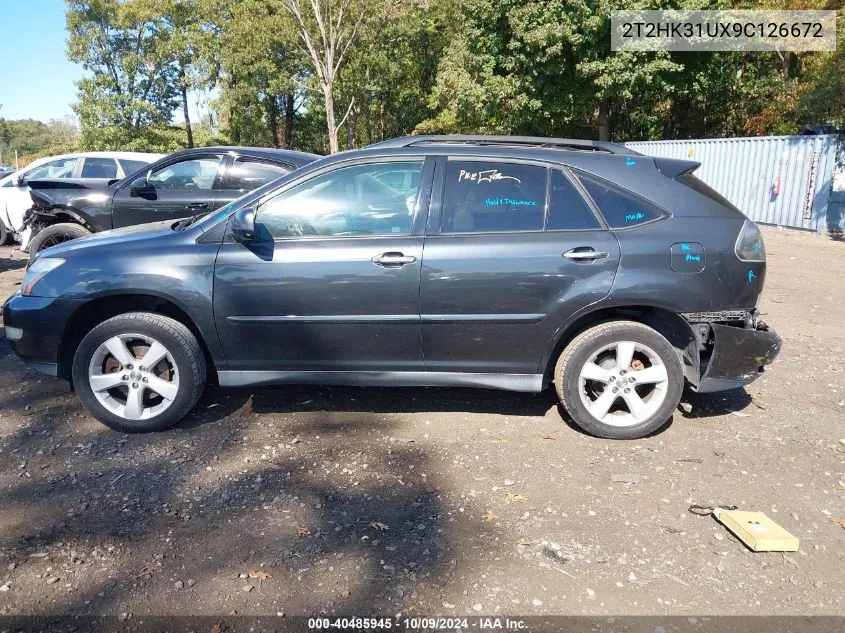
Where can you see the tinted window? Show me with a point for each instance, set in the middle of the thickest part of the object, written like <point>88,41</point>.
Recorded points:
<point>247,174</point>
<point>620,209</point>
<point>349,201</point>
<point>195,173</point>
<point>99,168</point>
<point>484,197</point>
<point>62,168</point>
<point>131,166</point>
<point>567,208</point>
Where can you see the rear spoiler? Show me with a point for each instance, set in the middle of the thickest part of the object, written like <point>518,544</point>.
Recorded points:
<point>674,167</point>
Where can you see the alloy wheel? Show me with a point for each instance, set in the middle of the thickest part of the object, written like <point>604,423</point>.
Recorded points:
<point>134,376</point>
<point>623,384</point>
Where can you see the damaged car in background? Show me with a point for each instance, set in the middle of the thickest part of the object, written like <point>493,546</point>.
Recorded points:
<point>75,171</point>
<point>188,183</point>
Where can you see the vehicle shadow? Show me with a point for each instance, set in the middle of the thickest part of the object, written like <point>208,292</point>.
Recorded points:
<point>709,405</point>
<point>7,264</point>
<point>217,403</point>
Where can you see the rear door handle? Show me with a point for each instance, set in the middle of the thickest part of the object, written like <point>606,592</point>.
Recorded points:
<point>393,259</point>
<point>197,206</point>
<point>584,254</point>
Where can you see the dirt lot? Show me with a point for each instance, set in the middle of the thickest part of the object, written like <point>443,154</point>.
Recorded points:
<point>309,500</point>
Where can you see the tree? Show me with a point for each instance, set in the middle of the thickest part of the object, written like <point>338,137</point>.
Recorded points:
<point>327,29</point>
<point>133,83</point>
<point>184,38</point>
<point>257,64</point>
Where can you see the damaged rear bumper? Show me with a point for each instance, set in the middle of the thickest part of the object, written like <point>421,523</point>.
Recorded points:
<point>739,356</point>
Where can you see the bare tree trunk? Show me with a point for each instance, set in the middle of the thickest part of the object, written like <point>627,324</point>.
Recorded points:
<point>185,112</point>
<point>289,114</point>
<point>350,130</point>
<point>604,121</point>
<point>326,41</point>
<point>273,119</point>
<point>328,93</point>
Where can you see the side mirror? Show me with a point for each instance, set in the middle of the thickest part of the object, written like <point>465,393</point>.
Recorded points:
<point>138,187</point>
<point>18,180</point>
<point>243,225</point>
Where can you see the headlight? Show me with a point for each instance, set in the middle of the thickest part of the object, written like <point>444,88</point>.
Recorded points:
<point>749,244</point>
<point>36,272</point>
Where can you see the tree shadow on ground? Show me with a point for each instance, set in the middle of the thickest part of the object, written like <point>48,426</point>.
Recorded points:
<point>351,522</point>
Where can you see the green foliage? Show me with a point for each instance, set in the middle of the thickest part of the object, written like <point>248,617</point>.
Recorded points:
<point>33,139</point>
<point>423,66</point>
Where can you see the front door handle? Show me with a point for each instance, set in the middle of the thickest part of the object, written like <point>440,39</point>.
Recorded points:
<point>584,254</point>
<point>393,259</point>
<point>197,206</point>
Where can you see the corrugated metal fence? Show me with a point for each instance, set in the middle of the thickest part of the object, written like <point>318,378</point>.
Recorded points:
<point>782,180</point>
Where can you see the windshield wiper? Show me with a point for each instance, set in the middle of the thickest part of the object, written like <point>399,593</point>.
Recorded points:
<point>183,224</point>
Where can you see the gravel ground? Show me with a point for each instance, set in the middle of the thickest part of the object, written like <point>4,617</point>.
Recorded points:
<point>304,500</point>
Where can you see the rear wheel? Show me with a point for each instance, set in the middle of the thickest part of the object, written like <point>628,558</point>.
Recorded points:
<point>139,372</point>
<point>56,234</point>
<point>619,380</point>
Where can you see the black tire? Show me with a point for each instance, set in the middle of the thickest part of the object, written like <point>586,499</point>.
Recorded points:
<point>590,342</point>
<point>55,234</point>
<point>5,235</point>
<point>179,342</point>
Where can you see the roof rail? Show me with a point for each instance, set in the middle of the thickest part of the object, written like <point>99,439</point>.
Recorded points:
<point>539,142</point>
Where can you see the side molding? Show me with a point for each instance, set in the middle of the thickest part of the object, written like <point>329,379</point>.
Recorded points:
<point>532,383</point>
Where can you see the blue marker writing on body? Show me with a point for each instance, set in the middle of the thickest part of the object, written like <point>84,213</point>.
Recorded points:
<point>630,161</point>
<point>751,276</point>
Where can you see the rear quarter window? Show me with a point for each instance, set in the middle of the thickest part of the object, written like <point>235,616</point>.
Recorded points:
<point>621,209</point>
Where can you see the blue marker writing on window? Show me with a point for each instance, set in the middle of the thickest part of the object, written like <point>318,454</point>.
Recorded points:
<point>693,258</point>
<point>509,202</point>
<point>757,247</point>
<point>633,217</point>
<point>686,247</point>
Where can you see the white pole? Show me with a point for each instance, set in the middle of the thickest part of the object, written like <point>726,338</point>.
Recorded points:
<point>16,160</point>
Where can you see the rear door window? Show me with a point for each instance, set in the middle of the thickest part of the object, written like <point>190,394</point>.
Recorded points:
<point>247,174</point>
<point>567,208</point>
<point>131,166</point>
<point>486,197</point>
<point>99,168</point>
<point>621,209</point>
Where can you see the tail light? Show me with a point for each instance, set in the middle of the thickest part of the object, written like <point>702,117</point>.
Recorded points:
<point>749,244</point>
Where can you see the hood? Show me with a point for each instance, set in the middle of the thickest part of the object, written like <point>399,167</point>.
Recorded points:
<point>111,238</point>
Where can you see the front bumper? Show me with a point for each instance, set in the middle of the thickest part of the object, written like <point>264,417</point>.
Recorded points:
<point>34,329</point>
<point>739,356</point>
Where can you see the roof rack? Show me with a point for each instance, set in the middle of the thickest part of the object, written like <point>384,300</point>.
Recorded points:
<point>539,142</point>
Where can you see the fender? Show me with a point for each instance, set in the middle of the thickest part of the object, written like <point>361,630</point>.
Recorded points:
<point>663,319</point>
<point>87,202</point>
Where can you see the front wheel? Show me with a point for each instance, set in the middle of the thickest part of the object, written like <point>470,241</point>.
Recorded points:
<point>619,380</point>
<point>55,234</point>
<point>139,372</point>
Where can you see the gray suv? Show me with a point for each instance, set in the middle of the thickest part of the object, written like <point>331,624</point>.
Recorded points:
<point>498,262</point>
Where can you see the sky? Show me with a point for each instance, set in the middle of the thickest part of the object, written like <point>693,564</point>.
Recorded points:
<point>36,78</point>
